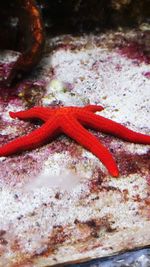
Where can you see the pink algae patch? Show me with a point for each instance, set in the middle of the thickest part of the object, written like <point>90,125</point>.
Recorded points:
<point>148,179</point>
<point>135,51</point>
<point>133,163</point>
<point>147,74</point>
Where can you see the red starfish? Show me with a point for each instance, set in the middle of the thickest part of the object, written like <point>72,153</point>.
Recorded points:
<point>69,120</point>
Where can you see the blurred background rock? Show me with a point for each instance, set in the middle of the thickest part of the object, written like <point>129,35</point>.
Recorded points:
<point>78,16</point>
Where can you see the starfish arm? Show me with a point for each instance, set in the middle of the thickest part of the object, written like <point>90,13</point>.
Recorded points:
<point>108,126</point>
<point>42,113</point>
<point>32,140</point>
<point>72,128</point>
<point>93,108</point>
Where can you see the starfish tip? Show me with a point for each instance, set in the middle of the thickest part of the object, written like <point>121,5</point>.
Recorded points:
<point>115,173</point>
<point>12,114</point>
